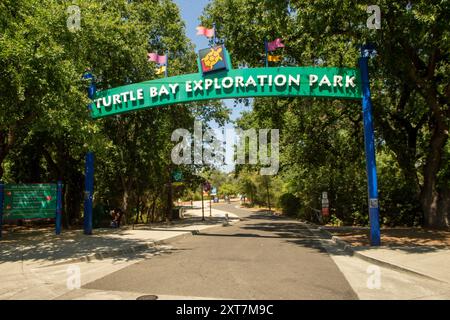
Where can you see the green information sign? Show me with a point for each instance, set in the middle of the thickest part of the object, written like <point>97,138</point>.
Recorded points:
<point>237,83</point>
<point>29,201</point>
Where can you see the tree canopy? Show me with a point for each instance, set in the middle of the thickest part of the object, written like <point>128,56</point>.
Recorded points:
<point>322,141</point>
<point>46,130</point>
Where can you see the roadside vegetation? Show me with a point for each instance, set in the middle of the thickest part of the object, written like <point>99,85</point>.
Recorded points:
<point>321,141</point>
<point>46,130</point>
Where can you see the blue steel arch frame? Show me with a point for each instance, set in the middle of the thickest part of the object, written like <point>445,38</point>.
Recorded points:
<point>369,142</point>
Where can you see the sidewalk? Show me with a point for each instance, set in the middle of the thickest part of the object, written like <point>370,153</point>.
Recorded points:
<point>35,264</point>
<point>73,246</point>
<point>196,211</point>
<point>424,253</point>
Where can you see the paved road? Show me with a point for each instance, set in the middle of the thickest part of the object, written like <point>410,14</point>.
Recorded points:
<point>261,257</point>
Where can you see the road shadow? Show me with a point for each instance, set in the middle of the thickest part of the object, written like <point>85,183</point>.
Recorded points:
<point>44,246</point>
<point>409,240</point>
<point>262,225</point>
<point>41,244</point>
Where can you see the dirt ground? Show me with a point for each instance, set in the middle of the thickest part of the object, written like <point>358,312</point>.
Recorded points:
<point>394,236</point>
<point>275,211</point>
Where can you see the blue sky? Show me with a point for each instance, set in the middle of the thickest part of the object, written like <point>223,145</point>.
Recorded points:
<point>191,10</point>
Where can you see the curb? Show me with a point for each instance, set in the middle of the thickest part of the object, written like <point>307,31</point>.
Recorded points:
<point>350,250</point>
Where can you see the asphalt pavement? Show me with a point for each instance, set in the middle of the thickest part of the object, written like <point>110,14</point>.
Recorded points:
<point>260,257</point>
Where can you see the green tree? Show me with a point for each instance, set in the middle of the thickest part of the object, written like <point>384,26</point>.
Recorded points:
<point>46,129</point>
<point>410,85</point>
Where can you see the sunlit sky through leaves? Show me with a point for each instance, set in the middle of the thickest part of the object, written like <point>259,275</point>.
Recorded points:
<point>191,10</point>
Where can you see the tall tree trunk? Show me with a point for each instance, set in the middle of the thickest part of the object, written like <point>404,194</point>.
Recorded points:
<point>64,169</point>
<point>444,205</point>
<point>152,209</point>
<point>169,211</point>
<point>65,215</point>
<point>148,215</point>
<point>5,145</point>
<point>1,169</point>
<point>138,209</point>
<point>268,194</point>
<point>430,199</point>
<point>74,197</point>
<point>126,185</point>
<point>125,198</point>
<point>66,165</point>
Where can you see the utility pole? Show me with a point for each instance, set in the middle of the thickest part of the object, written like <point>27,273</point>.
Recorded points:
<point>203,206</point>
<point>210,210</point>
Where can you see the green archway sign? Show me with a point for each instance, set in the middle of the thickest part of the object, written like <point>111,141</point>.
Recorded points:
<point>238,83</point>
<point>217,79</point>
<point>229,83</point>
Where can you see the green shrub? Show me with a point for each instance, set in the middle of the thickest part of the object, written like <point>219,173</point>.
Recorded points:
<point>335,221</point>
<point>360,218</point>
<point>289,204</point>
<point>248,205</point>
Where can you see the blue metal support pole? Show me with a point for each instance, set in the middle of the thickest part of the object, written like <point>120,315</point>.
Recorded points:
<point>89,169</point>
<point>2,192</point>
<point>58,208</point>
<point>369,141</point>
<point>88,193</point>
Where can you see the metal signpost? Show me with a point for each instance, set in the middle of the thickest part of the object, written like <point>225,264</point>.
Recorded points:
<point>206,188</point>
<point>212,194</point>
<point>203,206</point>
<point>325,205</point>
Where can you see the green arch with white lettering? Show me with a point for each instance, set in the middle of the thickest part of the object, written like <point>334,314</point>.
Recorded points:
<point>342,83</point>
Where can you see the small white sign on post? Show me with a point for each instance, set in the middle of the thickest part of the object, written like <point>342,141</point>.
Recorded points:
<point>325,204</point>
